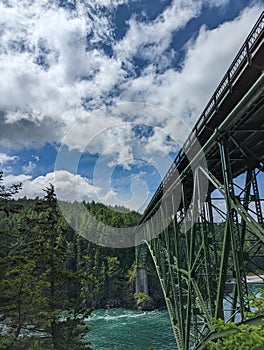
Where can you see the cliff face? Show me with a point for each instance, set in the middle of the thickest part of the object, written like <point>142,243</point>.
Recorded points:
<point>139,301</point>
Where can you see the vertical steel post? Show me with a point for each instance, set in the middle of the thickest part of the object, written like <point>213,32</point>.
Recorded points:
<point>232,220</point>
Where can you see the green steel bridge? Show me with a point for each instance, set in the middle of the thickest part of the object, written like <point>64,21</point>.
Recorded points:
<point>204,226</point>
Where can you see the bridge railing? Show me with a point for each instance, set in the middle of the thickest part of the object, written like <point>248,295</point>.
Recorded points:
<point>242,59</point>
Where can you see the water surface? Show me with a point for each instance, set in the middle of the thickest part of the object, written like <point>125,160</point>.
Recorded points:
<point>119,329</point>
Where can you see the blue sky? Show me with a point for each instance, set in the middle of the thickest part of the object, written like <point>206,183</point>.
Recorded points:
<point>100,94</point>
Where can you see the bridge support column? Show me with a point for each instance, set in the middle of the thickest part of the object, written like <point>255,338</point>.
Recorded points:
<point>141,280</point>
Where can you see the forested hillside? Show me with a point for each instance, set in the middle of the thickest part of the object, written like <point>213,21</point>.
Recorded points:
<point>47,268</point>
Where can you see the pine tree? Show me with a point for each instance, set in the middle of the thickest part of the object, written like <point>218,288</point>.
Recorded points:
<point>39,301</point>
<point>21,284</point>
<point>64,320</point>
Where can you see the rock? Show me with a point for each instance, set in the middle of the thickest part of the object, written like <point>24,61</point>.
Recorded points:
<point>144,302</point>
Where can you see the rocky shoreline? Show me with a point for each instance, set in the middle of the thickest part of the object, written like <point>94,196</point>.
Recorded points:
<point>144,304</point>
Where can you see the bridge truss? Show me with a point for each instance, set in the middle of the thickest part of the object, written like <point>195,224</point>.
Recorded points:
<point>204,226</point>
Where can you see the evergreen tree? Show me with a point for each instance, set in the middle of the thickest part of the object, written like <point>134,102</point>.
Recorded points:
<point>37,305</point>
<point>49,272</point>
<point>66,330</point>
<point>21,284</point>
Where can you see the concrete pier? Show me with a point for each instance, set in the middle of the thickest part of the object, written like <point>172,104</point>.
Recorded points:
<point>141,280</point>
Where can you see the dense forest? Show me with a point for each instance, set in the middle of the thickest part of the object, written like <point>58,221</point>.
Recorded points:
<point>52,277</point>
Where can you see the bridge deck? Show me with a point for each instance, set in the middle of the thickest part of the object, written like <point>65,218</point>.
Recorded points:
<point>247,129</point>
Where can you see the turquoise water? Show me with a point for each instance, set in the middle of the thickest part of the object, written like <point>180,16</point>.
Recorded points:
<point>120,329</point>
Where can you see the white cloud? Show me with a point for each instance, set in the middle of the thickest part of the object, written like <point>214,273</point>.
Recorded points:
<point>67,185</point>
<point>71,187</point>
<point>159,143</point>
<point>136,200</point>
<point>151,39</point>
<point>6,158</point>
<point>50,70</point>
<point>111,131</point>
<point>107,3</point>
<point>123,158</point>
<point>186,92</point>
<point>60,42</point>
<point>15,179</point>
<point>29,167</point>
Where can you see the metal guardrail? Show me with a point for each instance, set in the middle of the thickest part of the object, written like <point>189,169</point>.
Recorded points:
<point>242,59</point>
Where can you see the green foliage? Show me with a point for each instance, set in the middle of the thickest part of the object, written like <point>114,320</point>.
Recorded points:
<point>256,304</point>
<point>141,297</point>
<point>35,283</point>
<point>7,192</point>
<point>68,329</point>
<point>241,336</point>
<point>48,271</point>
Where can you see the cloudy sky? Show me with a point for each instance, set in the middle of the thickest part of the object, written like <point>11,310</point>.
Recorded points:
<point>100,94</point>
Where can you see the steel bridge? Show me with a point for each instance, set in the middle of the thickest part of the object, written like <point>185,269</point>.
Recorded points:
<point>204,226</point>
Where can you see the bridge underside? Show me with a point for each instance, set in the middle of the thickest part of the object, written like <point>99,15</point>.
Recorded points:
<point>203,267</point>
<point>204,227</point>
